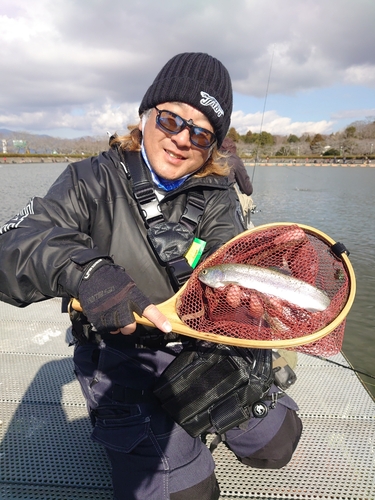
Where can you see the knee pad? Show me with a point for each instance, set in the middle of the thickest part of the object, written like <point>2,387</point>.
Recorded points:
<point>279,450</point>
<point>208,489</point>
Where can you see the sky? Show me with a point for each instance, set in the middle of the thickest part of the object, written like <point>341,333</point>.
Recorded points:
<point>72,68</point>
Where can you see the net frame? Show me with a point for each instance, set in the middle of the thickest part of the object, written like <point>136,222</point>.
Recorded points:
<point>317,241</point>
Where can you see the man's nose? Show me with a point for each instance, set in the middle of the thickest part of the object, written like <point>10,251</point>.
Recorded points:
<point>182,139</point>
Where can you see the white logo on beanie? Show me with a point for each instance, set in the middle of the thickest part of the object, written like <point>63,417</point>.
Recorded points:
<point>208,100</point>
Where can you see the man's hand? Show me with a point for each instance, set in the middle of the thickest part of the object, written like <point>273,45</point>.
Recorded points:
<point>109,297</point>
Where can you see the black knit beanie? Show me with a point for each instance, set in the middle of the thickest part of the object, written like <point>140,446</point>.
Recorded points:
<point>196,79</point>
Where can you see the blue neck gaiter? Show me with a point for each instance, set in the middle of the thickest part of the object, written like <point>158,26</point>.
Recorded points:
<point>161,183</point>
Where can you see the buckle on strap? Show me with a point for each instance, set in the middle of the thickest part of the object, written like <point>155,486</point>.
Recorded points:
<point>179,271</point>
<point>147,202</point>
<point>194,209</point>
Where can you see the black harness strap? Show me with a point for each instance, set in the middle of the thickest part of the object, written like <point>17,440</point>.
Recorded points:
<point>178,268</point>
<point>143,190</point>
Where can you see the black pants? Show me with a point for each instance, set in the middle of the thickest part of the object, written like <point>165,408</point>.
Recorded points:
<point>151,456</point>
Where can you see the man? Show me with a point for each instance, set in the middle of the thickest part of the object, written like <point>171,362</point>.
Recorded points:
<point>238,172</point>
<point>240,178</point>
<point>112,231</point>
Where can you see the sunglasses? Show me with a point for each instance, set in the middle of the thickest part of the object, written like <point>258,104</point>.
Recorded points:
<point>173,124</point>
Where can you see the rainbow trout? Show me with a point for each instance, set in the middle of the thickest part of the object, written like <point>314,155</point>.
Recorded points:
<point>267,281</point>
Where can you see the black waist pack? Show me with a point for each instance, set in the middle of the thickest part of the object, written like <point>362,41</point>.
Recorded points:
<point>213,386</point>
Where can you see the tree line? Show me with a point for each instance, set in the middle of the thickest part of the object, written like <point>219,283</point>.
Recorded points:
<point>357,140</point>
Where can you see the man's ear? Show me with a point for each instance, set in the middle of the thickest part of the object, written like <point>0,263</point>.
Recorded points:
<point>145,116</point>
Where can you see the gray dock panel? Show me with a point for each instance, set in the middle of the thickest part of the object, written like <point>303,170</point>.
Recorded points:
<point>46,451</point>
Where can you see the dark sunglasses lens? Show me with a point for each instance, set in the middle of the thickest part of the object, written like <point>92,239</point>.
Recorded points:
<point>171,122</point>
<point>201,137</point>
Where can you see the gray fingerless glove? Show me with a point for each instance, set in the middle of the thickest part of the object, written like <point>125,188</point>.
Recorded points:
<point>109,297</point>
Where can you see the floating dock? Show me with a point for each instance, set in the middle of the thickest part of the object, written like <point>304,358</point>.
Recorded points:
<point>46,451</point>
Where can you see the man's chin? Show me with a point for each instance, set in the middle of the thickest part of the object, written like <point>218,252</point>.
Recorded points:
<point>169,176</point>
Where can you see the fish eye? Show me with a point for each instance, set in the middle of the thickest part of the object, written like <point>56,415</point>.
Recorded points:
<point>204,271</point>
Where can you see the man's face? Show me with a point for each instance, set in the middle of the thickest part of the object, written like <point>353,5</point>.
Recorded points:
<point>174,156</point>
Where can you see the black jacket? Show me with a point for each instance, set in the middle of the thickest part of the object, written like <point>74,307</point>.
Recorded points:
<point>90,211</point>
<point>238,174</point>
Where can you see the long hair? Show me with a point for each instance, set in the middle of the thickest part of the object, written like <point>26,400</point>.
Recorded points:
<point>133,140</point>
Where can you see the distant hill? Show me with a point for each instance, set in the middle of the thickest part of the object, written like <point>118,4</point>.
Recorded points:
<point>22,133</point>
<point>5,131</point>
<point>46,144</point>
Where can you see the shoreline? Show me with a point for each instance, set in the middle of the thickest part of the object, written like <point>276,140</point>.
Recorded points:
<point>10,160</point>
<point>270,163</point>
<point>308,164</point>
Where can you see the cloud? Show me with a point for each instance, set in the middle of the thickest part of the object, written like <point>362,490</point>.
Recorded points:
<point>271,122</point>
<point>360,75</point>
<point>84,66</point>
<point>108,117</point>
<point>354,114</point>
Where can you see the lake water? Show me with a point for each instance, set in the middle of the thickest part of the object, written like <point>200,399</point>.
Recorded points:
<point>336,200</point>
<point>340,202</point>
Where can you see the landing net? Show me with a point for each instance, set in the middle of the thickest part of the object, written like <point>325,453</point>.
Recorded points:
<point>234,311</point>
